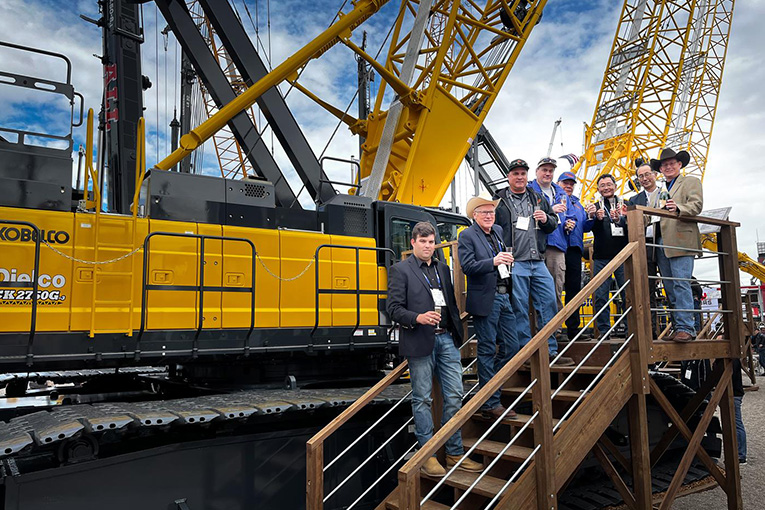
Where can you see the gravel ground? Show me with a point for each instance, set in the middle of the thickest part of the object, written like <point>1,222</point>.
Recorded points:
<point>753,472</point>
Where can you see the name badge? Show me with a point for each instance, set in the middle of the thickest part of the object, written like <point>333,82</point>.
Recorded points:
<point>438,297</point>
<point>649,231</point>
<point>522,223</point>
<point>617,231</point>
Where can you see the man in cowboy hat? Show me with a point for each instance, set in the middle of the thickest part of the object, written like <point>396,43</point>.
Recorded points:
<point>421,299</point>
<point>526,219</point>
<point>679,239</point>
<point>486,263</point>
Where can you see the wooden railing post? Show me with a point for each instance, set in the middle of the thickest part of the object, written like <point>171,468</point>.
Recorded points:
<point>639,324</point>
<point>314,487</point>
<point>544,461</point>
<point>409,490</point>
<point>731,291</point>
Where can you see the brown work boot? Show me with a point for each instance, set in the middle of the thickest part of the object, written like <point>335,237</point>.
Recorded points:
<point>433,468</point>
<point>683,337</point>
<point>467,464</point>
<point>495,413</point>
<point>563,361</point>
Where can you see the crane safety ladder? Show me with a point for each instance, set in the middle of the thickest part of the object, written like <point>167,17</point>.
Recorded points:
<point>561,413</point>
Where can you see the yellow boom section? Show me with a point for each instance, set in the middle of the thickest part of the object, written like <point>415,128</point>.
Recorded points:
<point>660,88</point>
<point>467,52</point>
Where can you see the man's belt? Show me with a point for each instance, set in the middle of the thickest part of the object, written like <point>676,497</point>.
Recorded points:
<point>440,331</point>
<point>502,289</point>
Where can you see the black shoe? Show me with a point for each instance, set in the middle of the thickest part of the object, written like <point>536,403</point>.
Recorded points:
<point>742,461</point>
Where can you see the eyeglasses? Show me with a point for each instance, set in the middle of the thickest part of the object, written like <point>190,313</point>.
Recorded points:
<point>644,176</point>
<point>485,213</point>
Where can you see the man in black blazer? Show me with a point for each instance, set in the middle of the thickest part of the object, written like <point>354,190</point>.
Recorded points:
<point>649,197</point>
<point>486,262</point>
<point>419,290</point>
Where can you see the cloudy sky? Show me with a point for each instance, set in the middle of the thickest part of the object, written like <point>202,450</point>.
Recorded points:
<point>557,75</point>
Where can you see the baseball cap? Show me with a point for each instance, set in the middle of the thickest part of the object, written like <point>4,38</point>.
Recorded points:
<point>547,161</point>
<point>517,163</point>
<point>567,176</point>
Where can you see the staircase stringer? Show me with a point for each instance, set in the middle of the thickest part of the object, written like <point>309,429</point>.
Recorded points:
<point>578,435</point>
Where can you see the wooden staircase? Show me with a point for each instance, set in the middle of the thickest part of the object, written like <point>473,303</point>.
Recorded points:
<point>564,412</point>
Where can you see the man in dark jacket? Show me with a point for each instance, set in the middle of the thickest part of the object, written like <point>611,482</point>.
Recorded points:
<point>486,264</point>
<point>609,227</point>
<point>649,197</point>
<point>419,289</point>
<point>573,227</point>
<point>526,219</point>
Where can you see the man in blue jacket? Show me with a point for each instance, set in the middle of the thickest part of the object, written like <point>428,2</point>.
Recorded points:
<point>555,254</point>
<point>486,263</point>
<point>573,227</point>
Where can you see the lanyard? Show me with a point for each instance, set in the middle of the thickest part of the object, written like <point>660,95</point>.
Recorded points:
<point>491,246</point>
<point>670,184</point>
<point>522,201</point>
<point>430,283</point>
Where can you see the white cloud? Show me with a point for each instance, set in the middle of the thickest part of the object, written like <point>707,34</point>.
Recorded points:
<point>557,75</point>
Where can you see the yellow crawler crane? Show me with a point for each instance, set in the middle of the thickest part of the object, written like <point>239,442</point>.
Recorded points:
<point>660,88</point>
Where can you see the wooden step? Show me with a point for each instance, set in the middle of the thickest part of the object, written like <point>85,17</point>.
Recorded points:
<point>567,395</point>
<point>392,504</point>
<point>519,420</point>
<point>493,448</point>
<point>488,487</point>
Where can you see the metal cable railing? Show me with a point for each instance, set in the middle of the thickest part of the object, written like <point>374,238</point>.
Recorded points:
<point>590,353</point>
<point>390,438</point>
<point>594,381</point>
<point>480,439</point>
<point>403,456</point>
<point>496,459</point>
<point>589,323</point>
<point>694,250</point>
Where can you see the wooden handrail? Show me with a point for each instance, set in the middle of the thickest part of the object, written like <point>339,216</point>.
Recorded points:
<point>411,469</point>
<point>315,445</point>
<point>694,219</point>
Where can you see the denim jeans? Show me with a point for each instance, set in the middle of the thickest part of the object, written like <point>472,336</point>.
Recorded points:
<point>444,362</point>
<point>601,295</point>
<point>531,277</point>
<point>740,431</point>
<point>495,330</point>
<point>678,292</point>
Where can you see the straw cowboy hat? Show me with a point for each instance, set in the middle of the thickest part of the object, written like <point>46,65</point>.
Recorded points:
<point>477,202</point>
<point>683,157</point>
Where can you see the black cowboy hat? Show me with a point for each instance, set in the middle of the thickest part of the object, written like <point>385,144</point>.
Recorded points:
<point>683,157</point>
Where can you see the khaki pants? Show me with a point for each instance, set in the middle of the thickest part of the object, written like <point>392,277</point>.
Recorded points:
<point>555,260</point>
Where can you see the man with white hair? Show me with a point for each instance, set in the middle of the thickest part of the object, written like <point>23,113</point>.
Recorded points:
<point>485,261</point>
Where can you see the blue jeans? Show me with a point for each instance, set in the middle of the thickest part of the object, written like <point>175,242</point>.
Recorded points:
<point>678,292</point>
<point>445,363</point>
<point>532,277</point>
<point>601,295</point>
<point>495,329</point>
<point>740,431</point>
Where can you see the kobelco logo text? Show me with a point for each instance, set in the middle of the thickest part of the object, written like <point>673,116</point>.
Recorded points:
<point>25,235</point>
